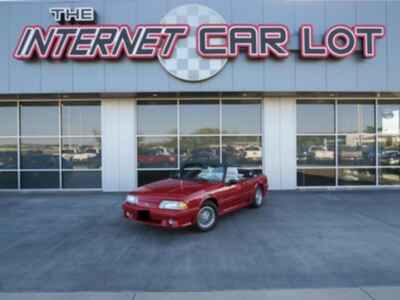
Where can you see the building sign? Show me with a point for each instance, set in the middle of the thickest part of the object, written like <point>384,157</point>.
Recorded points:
<point>192,42</point>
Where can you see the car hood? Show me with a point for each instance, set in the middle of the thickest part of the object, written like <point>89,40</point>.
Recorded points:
<point>172,189</point>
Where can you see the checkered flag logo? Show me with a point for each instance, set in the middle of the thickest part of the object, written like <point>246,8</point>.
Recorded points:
<point>185,63</point>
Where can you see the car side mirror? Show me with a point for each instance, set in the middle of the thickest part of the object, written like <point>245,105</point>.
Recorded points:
<point>232,182</point>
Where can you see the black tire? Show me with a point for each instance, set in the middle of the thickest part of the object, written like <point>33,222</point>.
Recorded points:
<point>207,217</point>
<point>258,199</point>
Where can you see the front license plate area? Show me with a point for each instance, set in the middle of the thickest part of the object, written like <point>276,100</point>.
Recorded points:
<point>143,215</point>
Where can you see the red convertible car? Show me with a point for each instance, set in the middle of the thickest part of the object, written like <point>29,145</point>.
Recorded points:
<point>197,197</point>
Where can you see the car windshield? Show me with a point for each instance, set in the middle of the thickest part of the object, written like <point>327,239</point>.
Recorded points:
<point>211,174</point>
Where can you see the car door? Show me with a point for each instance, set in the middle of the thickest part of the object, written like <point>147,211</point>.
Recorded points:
<point>231,193</point>
<point>247,190</point>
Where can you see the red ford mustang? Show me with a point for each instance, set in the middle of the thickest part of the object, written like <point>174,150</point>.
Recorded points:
<point>198,197</point>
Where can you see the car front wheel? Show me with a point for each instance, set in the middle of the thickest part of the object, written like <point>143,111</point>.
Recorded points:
<point>207,217</point>
<point>258,198</point>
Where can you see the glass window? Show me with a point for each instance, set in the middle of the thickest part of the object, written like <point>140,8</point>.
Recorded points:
<point>357,176</point>
<point>157,152</point>
<point>356,117</point>
<point>199,117</point>
<point>81,118</point>
<point>8,117</point>
<point>8,180</point>
<point>209,173</point>
<point>315,117</point>
<point>157,118</point>
<point>356,150</point>
<point>81,180</point>
<point>39,119</point>
<point>389,176</point>
<point>200,126</point>
<point>242,151</point>
<point>200,150</point>
<point>316,177</point>
<point>389,117</point>
<point>389,150</point>
<point>81,153</point>
<point>146,177</point>
<point>38,143</point>
<point>241,117</point>
<point>40,153</point>
<point>40,180</point>
<point>8,153</point>
<point>315,150</point>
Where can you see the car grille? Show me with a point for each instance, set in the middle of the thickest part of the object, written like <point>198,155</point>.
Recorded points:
<point>143,215</point>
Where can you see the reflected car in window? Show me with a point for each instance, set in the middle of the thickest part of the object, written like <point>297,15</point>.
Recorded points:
<point>390,158</point>
<point>253,152</point>
<point>159,157</point>
<point>321,153</point>
<point>198,196</point>
<point>202,155</point>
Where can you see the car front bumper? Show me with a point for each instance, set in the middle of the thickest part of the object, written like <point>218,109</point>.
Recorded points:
<point>159,217</point>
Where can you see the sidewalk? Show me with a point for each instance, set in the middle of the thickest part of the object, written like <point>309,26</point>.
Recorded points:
<point>363,293</point>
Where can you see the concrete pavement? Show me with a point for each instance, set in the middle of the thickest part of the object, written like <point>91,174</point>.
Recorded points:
<point>362,293</point>
<point>73,242</point>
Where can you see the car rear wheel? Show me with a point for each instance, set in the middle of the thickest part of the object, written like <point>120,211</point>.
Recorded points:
<point>258,198</point>
<point>207,217</point>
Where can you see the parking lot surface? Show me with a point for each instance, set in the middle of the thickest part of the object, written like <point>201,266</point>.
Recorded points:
<point>61,242</point>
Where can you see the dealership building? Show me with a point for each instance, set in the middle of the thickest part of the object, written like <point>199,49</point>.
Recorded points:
<point>111,95</point>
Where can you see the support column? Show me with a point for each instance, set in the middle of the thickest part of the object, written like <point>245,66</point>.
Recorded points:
<point>119,145</point>
<point>279,142</point>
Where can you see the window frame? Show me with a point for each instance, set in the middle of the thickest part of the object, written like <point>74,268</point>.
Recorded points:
<point>57,102</point>
<point>377,167</point>
<point>220,135</point>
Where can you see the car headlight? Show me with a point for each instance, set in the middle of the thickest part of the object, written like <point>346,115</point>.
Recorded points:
<point>173,205</point>
<point>132,199</point>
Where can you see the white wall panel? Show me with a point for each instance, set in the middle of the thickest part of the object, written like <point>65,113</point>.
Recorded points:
<point>119,145</point>
<point>271,155</point>
<point>287,149</point>
<point>279,140</point>
<point>127,145</point>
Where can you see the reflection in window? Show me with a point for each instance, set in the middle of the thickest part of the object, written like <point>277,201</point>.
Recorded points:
<point>356,150</point>
<point>157,152</point>
<point>316,177</point>
<point>249,114</point>
<point>357,176</point>
<point>356,117</point>
<point>81,118</point>
<point>8,119</point>
<point>199,117</point>
<point>156,117</point>
<point>242,151</point>
<point>40,180</point>
<point>8,180</point>
<point>39,144</point>
<point>316,117</point>
<point>8,153</point>
<point>39,119</point>
<point>40,153</point>
<point>81,180</point>
<point>200,150</point>
<point>389,117</point>
<point>203,125</point>
<point>356,142</point>
<point>315,150</point>
<point>389,150</point>
<point>81,153</point>
<point>146,177</point>
<point>389,176</point>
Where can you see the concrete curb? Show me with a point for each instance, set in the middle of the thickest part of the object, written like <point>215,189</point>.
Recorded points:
<point>362,293</point>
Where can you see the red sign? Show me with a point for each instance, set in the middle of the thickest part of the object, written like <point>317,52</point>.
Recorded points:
<point>88,42</point>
